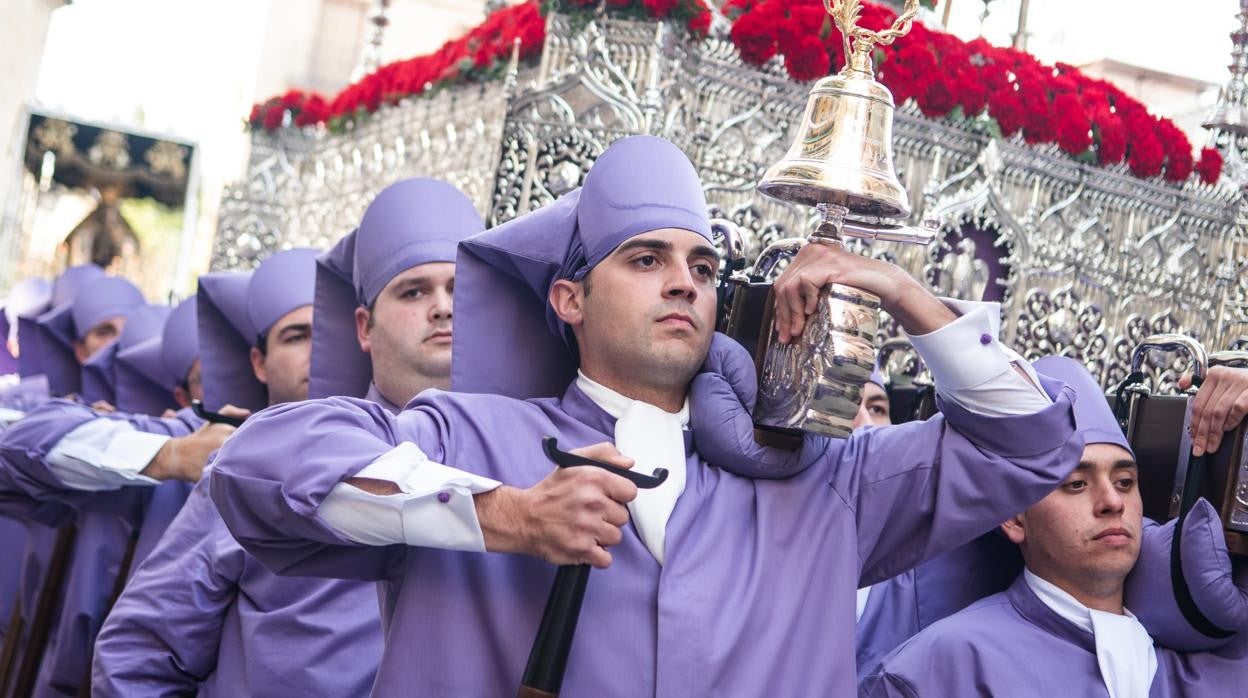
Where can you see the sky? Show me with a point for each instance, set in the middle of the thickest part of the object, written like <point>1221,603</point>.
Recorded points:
<point>1190,38</point>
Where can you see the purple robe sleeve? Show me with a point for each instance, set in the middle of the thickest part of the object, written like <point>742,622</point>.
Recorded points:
<point>273,473</point>
<point>922,488</point>
<point>163,636</point>
<point>24,448</point>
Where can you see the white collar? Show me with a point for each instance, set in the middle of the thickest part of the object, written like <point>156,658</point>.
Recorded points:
<point>614,403</point>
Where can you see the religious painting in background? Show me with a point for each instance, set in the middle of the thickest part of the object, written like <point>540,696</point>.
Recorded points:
<point>103,195</point>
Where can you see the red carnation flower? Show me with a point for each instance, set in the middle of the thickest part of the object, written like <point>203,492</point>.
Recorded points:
<point>1146,155</point>
<point>1210,166</point>
<point>1111,138</point>
<point>1007,108</point>
<point>754,39</point>
<point>254,117</point>
<point>807,59</point>
<point>700,23</point>
<point>292,99</point>
<point>939,99</point>
<point>273,116</point>
<point>1073,130</point>
<point>660,8</point>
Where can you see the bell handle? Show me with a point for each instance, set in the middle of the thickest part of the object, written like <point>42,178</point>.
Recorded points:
<point>845,14</point>
<point>923,234</point>
<point>1173,342</point>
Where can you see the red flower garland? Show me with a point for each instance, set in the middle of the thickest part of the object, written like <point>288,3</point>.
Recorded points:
<point>1087,118</point>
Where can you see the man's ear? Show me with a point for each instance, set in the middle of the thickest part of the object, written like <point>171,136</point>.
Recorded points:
<point>181,397</point>
<point>567,299</point>
<point>80,351</point>
<point>361,329</point>
<point>257,366</point>
<point>1015,529</point>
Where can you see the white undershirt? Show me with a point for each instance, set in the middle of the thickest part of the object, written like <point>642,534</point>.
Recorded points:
<point>1124,649</point>
<point>969,365</point>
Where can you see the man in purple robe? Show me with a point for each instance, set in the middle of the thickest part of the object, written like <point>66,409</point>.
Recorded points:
<point>1062,627</point>
<point>383,296</point>
<point>201,616</point>
<point>721,585</point>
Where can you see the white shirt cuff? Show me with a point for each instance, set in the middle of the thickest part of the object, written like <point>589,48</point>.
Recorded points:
<point>104,454</point>
<point>434,508</point>
<point>971,367</point>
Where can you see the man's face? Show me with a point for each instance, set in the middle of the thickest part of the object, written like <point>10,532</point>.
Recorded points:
<point>192,388</point>
<point>646,313</point>
<point>408,331</point>
<point>98,337</point>
<point>1087,531</point>
<point>873,410</point>
<point>284,366</point>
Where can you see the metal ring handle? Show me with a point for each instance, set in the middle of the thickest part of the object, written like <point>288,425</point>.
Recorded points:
<point>1173,342</point>
<point>1237,359</point>
<point>775,252</point>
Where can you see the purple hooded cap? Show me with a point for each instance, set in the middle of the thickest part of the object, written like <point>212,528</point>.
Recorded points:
<point>877,376</point>
<point>1093,417</point>
<point>148,372</point>
<point>339,367</point>
<point>412,222</point>
<point>60,292</point>
<point>28,297</point>
<point>283,282</point>
<point>180,341</point>
<point>99,373</point>
<point>507,339</point>
<point>65,287</point>
<point>225,341</point>
<point>100,299</point>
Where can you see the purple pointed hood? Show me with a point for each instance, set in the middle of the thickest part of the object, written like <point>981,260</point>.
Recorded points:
<point>283,282</point>
<point>99,373</point>
<point>412,222</point>
<point>63,290</point>
<point>28,297</point>
<point>1093,416</point>
<point>225,341</point>
<point>507,340</point>
<point>95,302</point>
<point>148,372</point>
<point>236,309</point>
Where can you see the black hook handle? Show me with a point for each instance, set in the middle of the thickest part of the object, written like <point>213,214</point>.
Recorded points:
<point>197,406</point>
<point>548,660</point>
<point>570,460</point>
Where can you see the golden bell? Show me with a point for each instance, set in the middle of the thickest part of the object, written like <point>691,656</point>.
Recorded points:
<point>843,152</point>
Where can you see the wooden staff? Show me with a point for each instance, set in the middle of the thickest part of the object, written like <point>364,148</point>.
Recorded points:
<point>543,675</point>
